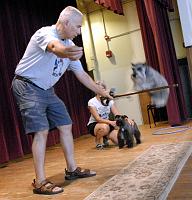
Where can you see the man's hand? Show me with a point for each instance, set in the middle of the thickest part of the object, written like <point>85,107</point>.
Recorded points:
<point>62,51</point>
<point>106,94</point>
<point>73,52</point>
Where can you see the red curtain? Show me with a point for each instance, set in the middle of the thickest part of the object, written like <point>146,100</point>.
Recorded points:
<point>19,20</point>
<point>114,5</point>
<point>160,53</point>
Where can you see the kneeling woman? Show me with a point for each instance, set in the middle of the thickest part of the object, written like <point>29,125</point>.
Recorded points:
<point>99,124</point>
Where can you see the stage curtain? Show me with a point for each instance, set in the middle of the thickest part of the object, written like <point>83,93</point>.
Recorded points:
<point>18,21</point>
<point>114,5</point>
<point>167,4</point>
<point>160,53</point>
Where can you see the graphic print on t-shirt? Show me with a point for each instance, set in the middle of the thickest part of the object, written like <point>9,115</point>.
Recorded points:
<point>57,70</point>
<point>103,112</point>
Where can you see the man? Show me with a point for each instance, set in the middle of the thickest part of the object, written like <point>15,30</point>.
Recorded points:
<point>48,55</point>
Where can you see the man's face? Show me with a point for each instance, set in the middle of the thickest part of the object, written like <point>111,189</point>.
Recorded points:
<point>73,27</point>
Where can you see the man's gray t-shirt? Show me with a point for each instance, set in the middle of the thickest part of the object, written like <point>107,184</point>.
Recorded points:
<point>42,67</point>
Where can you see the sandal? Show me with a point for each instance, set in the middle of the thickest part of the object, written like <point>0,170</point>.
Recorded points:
<point>78,173</point>
<point>45,187</point>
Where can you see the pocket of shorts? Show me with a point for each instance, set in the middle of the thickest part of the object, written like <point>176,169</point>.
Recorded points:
<point>18,87</point>
<point>27,105</point>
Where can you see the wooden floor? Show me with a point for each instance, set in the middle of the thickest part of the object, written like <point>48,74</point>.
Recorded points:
<point>16,178</point>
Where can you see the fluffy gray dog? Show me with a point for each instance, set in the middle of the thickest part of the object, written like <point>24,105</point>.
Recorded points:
<point>145,77</point>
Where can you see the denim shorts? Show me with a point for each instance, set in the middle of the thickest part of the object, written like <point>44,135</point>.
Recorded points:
<point>40,109</point>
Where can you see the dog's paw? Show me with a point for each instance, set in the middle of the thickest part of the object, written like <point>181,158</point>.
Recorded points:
<point>138,141</point>
<point>130,145</point>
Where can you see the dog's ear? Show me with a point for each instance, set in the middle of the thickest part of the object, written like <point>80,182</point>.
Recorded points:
<point>133,64</point>
<point>117,117</point>
<point>147,69</point>
<point>124,116</point>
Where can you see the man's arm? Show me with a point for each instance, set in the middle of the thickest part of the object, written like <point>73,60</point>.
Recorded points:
<point>86,80</point>
<point>62,51</point>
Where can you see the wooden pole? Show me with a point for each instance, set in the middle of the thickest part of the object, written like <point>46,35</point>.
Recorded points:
<point>147,90</point>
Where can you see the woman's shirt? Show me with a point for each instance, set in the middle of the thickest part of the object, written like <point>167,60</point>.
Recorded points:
<point>102,110</point>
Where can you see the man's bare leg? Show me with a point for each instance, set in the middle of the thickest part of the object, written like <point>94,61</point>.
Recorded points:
<point>66,139</point>
<point>38,150</point>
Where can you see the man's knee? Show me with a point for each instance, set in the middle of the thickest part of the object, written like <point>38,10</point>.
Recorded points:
<point>40,135</point>
<point>65,129</point>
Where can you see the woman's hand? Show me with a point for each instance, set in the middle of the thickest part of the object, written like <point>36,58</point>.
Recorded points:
<point>130,121</point>
<point>113,123</point>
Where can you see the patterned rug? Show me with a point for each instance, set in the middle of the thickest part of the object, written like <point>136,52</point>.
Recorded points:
<point>149,177</point>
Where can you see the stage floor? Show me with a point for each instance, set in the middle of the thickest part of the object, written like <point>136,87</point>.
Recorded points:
<point>16,177</point>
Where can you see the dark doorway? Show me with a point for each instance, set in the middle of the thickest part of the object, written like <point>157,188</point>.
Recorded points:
<point>186,85</point>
